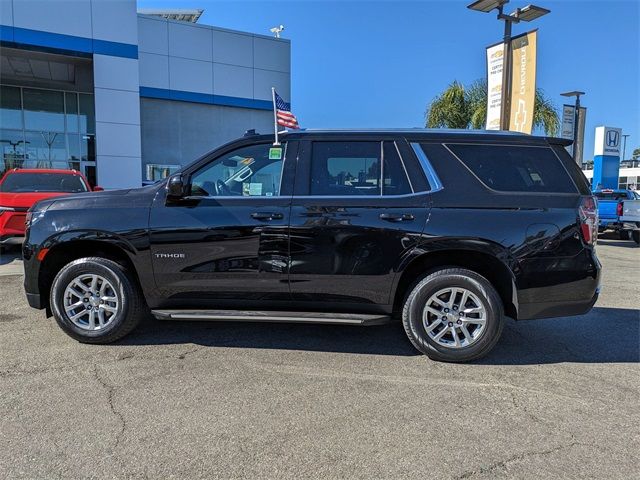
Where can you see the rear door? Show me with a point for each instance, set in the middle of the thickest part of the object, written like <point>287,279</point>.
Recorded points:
<point>227,240</point>
<point>357,209</point>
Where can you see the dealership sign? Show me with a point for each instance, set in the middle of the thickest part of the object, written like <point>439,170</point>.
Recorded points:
<point>568,121</point>
<point>568,129</point>
<point>608,140</point>
<point>523,83</point>
<point>494,85</point>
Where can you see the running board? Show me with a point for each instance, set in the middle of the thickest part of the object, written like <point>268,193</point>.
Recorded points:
<point>265,316</point>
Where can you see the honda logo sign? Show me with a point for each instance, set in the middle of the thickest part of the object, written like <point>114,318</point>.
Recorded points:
<point>607,141</point>
<point>613,138</point>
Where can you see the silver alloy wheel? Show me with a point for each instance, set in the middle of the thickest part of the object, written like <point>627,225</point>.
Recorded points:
<point>91,302</point>
<point>454,317</point>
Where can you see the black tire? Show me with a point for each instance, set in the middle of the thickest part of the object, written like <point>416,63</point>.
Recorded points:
<point>133,307</point>
<point>635,235</point>
<point>442,279</point>
<point>624,234</point>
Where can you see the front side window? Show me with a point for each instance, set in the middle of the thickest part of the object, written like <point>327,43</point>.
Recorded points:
<point>253,171</point>
<point>516,169</point>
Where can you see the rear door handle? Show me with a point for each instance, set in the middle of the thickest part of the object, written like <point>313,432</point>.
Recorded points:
<point>267,216</point>
<point>397,217</point>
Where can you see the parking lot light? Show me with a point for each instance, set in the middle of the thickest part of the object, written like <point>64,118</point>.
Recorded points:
<point>530,12</point>
<point>525,14</point>
<point>486,5</point>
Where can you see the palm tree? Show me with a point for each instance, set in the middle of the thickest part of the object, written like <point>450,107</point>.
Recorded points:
<point>460,107</point>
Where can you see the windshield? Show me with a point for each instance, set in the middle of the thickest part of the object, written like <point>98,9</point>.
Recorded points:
<point>43,182</point>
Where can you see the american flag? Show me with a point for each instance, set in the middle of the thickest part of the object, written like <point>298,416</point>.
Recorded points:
<point>283,113</point>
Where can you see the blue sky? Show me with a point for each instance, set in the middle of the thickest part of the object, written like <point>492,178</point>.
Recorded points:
<point>369,63</point>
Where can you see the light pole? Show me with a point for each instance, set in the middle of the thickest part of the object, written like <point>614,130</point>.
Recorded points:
<point>576,116</point>
<point>525,14</point>
<point>624,145</point>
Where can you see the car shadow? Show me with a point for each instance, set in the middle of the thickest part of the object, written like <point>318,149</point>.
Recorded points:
<point>605,335</point>
<point>618,243</point>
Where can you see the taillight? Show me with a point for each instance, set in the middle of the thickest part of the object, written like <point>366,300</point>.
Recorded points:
<point>619,209</point>
<point>588,212</point>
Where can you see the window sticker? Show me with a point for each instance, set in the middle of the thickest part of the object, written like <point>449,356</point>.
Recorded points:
<point>275,153</point>
<point>255,189</point>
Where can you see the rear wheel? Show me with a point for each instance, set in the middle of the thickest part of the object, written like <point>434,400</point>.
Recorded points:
<point>95,300</point>
<point>635,235</point>
<point>624,234</point>
<point>453,315</point>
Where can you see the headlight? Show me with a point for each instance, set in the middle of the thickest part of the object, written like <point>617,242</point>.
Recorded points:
<point>32,217</point>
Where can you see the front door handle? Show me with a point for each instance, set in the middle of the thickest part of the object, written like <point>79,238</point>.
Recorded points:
<point>397,217</point>
<point>267,216</point>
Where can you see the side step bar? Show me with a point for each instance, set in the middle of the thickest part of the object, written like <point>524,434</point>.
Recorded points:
<point>266,316</point>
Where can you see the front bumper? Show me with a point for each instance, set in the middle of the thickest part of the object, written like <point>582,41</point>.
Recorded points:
<point>11,239</point>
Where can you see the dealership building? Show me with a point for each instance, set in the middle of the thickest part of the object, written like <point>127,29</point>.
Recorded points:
<point>127,96</point>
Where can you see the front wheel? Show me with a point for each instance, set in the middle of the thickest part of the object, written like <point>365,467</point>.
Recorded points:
<point>453,315</point>
<point>95,300</point>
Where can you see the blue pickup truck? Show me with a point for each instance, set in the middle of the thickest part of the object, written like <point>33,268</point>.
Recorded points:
<point>610,209</point>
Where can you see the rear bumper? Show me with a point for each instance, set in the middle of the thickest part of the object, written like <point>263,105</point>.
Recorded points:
<point>631,225</point>
<point>560,286</point>
<point>609,224</point>
<point>535,311</point>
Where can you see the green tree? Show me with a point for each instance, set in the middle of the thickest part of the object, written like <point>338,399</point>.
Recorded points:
<point>636,154</point>
<point>466,107</point>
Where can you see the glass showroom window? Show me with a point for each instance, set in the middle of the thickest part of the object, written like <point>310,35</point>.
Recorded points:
<point>157,172</point>
<point>47,129</point>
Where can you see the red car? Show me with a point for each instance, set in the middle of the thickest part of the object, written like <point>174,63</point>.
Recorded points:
<point>21,188</point>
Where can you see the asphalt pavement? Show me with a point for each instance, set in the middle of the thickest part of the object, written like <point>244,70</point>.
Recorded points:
<point>556,398</point>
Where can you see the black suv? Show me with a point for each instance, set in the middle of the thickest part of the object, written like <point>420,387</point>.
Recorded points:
<point>448,231</point>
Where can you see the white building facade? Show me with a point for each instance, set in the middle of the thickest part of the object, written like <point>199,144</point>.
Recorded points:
<point>629,174</point>
<point>123,97</point>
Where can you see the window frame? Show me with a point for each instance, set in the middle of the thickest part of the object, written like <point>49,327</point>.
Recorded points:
<point>511,145</point>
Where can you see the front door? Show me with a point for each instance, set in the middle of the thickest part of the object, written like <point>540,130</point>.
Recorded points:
<point>356,212</point>
<point>226,242</point>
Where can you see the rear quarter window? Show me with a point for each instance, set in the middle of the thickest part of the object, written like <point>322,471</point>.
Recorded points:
<point>511,168</point>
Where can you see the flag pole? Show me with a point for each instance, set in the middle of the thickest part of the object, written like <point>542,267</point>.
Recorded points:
<point>275,116</point>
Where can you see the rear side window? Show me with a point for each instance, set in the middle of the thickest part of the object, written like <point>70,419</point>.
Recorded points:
<point>395,180</point>
<point>574,170</point>
<point>354,168</point>
<point>511,168</point>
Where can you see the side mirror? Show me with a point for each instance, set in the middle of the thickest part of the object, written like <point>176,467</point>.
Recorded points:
<point>98,189</point>
<point>175,187</point>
